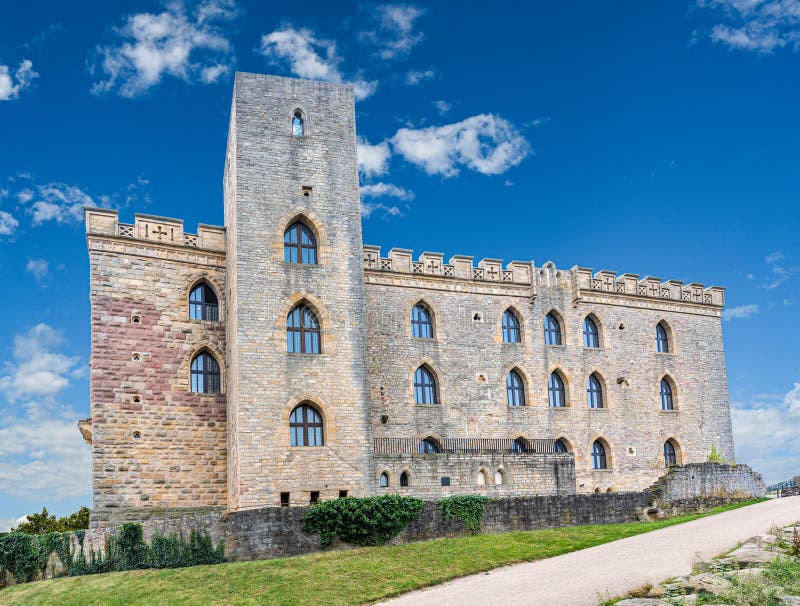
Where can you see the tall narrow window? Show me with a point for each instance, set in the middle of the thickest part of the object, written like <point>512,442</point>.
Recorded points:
<point>425,391</point>
<point>515,389</point>
<point>669,454</point>
<point>591,336</point>
<point>421,322</point>
<point>298,125</point>
<point>511,331</point>
<point>662,338</point>
<point>302,331</point>
<point>384,481</point>
<point>429,446</point>
<point>203,303</point>
<point>299,244</point>
<point>552,330</point>
<point>404,479</point>
<point>555,391</point>
<point>666,395</point>
<point>598,456</point>
<point>560,447</point>
<point>594,392</point>
<point>305,426</point>
<point>205,374</point>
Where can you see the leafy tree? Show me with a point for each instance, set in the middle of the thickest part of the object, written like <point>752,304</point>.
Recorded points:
<point>44,522</point>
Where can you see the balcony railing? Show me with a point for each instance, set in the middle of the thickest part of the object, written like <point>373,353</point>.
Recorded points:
<point>475,446</point>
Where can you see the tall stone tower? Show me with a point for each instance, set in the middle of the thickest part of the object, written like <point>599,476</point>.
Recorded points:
<point>274,177</point>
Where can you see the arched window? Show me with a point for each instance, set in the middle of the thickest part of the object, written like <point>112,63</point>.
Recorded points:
<point>594,392</point>
<point>205,374</point>
<point>515,389</point>
<point>305,425</point>
<point>498,477</point>
<point>666,395</point>
<point>203,303</point>
<point>591,336</point>
<point>669,454</point>
<point>404,479</point>
<point>552,330</point>
<point>556,393</point>
<point>298,124</point>
<point>421,321</point>
<point>560,447</point>
<point>425,391</point>
<point>662,338</point>
<point>481,478</point>
<point>302,330</point>
<point>384,480</point>
<point>299,244</point>
<point>520,445</point>
<point>598,455</point>
<point>511,331</point>
<point>429,446</point>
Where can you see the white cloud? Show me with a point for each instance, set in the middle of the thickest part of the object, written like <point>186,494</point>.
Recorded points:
<point>484,143</point>
<point>395,33</point>
<point>381,190</point>
<point>442,106</point>
<point>11,85</point>
<point>187,43</point>
<point>369,208</point>
<point>759,26</point>
<point>766,437</point>
<point>7,524</point>
<point>373,160</point>
<point>311,57</point>
<point>38,268</point>
<point>415,77</point>
<point>778,271</point>
<point>741,311</point>
<point>8,224</point>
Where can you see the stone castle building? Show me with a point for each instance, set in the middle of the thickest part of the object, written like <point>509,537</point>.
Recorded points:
<point>277,360</point>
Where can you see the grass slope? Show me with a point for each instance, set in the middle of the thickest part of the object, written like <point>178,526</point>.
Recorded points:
<point>353,576</point>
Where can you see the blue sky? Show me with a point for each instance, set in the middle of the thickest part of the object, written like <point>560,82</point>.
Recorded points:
<point>657,138</point>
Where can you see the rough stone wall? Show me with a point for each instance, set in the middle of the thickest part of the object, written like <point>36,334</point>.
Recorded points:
<point>471,363</point>
<point>268,168</point>
<point>154,443</point>
<point>708,480</point>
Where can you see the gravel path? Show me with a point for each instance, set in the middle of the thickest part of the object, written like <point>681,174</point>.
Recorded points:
<point>586,576</point>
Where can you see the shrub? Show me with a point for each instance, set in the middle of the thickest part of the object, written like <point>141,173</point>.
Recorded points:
<point>362,521</point>
<point>466,508</point>
<point>715,456</point>
<point>18,556</point>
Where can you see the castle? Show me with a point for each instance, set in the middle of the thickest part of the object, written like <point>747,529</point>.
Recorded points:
<point>277,361</point>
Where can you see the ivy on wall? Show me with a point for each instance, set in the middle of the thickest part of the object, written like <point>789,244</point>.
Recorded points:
<point>466,508</point>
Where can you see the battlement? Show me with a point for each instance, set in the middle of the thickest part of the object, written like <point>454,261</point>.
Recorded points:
<point>101,221</point>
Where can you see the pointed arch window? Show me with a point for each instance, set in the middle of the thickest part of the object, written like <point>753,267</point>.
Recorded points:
<point>552,330</point>
<point>515,389</point>
<point>205,374</point>
<point>556,392</point>
<point>299,244</point>
<point>298,123</point>
<point>594,392</point>
<point>425,391</point>
<point>203,304</point>
<point>666,395</point>
<point>404,479</point>
<point>511,329</point>
<point>429,446</point>
<point>421,321</point>
<point>599,455</point>
<point>520,446</point>
<point>662,338</point>
<point>305,426</point>
<point>302,331</point>
<point>670,458</point>
<point>560,447</point>
<point>591,335</point>
<point>384,481</point>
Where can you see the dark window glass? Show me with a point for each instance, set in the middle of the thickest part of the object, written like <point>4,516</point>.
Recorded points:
<point>511,331</point>
<point>284,499</point>
<point>555,391</point>
<point>520,445</point>
<point>560,447</point>
<point>297,124</point>
<point>591,336</point>
<point>429,446</point>
<point>425,391</point>
<point>594,392</point>
<point>598,456</point>
<point>205,374</point>
<point>342,494</point>
<point>662,340</point>
<point>203,304</point>
<point>552,330</point>
<point>302,331</point>
<point>299,244</point>
<point>666,395</point>
<point>384,480</point>
<point>515,389</point>
<point>314,497</point>
<point>305,426</point>
<point>404,479</point>
<point>669,454</point>
<point>421,322</point>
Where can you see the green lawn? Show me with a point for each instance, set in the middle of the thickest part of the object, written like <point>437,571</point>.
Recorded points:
<point>338,577</point>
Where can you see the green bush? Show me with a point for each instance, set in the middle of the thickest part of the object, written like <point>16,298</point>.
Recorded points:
<point>467,508</point>
<point>362,521</point>
<point>18,556</point>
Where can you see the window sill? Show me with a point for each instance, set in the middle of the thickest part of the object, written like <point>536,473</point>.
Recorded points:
<point>306,447</point>
<point>559,407</point>
<point>562,346</point>
<point>210,322</point>
<point>207,395</point>
<point>521,407</point>
<point>603,409</point>
<point>669,412</point>
<point>585,348</point>
<point>606,470</point>
<point>428,406</point>
<point>300,354</point>
<point>300,265</point>
<point>665,353</point>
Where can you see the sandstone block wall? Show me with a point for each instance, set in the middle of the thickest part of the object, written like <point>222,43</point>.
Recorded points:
<point>708,480</point>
